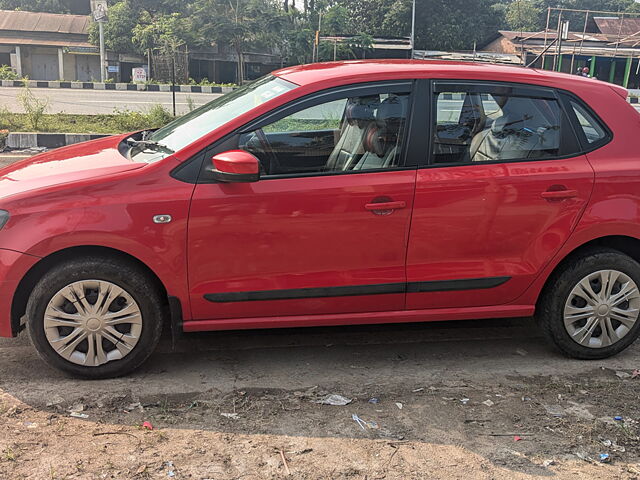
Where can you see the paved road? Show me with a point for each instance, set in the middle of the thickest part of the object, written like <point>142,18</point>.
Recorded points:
<point>100,101</point>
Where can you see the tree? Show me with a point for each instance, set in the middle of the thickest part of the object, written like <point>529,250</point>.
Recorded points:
<point>118,30</point>
<point>238,24</point>
<point>166,31</point>
<point>52,6</point>
<point>336,21</point>
<point>454,24</point>
<point>524,15</point>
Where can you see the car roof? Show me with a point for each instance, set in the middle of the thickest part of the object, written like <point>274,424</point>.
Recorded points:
<point>338,73</point>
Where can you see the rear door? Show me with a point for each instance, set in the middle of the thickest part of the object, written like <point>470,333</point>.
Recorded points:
<point>503,189</point>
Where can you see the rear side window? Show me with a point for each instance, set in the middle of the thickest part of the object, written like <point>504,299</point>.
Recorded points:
<point>496,123</point>
<point>592,129</point>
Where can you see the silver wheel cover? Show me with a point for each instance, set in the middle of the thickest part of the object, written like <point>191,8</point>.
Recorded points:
<point>92,322</point>
<point>602,308</point>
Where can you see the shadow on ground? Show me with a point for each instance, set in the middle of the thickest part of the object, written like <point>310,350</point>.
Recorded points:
<point>495,388</point>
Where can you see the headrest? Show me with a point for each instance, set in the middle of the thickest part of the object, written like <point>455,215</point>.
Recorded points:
<point>361,111</point>
<point>392,112</point>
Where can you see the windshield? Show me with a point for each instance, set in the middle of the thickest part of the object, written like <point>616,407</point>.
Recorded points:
<point>187,129</point>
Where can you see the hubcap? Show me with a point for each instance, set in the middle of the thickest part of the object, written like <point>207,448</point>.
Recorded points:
<point>602,308</point>
<point>92,322</point>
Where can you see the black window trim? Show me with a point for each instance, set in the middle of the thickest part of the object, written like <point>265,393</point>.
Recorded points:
<point>566,98</point>
<point>522,88</point>
<point>408,158</point>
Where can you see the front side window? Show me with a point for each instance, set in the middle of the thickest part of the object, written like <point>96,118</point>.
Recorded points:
<point>205,119</point>
<point>350,134</point>
<point>476,123</point>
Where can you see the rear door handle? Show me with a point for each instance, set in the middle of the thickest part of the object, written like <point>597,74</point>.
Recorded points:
<point>559,194</point>
<point>382,206</point>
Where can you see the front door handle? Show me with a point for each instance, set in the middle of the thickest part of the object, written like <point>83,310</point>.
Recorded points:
<point>384,208</point>
<point>559,194</point>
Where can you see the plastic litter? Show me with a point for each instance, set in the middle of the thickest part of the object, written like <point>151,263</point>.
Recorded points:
<point>464,400</point>
<point>488,403</point>
<point>399,405</point>
<point>336,400</point>
<point>230,415</point>
<point>134,406</point>
<point>623,375</point>
<point>374,400</point>
<point>555,410</point>
<point>422,388</point>
<point>618,418</point>
<point>604,458</point>
<point>548,463</point>
<point>78,415</point>
<point>613,445</point>
<point>363,423</point>
<point>517,438</point>
<point>147,425</point>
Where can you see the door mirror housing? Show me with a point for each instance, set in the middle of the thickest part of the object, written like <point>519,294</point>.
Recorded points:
<point>235,166</point>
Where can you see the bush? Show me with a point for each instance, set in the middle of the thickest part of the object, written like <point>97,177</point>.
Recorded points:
<point>7,73</point>
<point>158,116</point>
<point>126,120</point>
<point>33,106</point>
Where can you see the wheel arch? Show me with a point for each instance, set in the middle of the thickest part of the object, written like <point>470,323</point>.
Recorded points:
<point>623,243</point>
<point>30,279</point>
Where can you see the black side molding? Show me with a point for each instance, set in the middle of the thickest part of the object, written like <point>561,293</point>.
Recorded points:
<point>349,291</point>
<point>453,285</point>
<point>382,288</point>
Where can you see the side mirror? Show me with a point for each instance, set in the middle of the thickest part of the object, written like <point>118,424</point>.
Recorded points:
<point>235,166</point>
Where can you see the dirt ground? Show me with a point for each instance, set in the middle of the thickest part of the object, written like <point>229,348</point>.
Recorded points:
<point>468,400</point>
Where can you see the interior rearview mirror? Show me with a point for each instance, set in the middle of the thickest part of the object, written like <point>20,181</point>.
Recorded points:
<point>235,166</point>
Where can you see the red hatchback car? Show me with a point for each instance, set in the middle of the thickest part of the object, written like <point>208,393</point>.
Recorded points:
<point>334,194</point>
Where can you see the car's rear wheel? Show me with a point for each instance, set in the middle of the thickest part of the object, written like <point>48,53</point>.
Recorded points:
<point>590,308</point>
<point>95,318</point>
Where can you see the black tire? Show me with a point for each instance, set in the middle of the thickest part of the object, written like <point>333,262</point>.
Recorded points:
<point>132,279</point>
<point>550,309</point>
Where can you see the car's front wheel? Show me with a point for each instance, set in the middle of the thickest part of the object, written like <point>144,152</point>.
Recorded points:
<point>590,307</point>
<point>95,318</point>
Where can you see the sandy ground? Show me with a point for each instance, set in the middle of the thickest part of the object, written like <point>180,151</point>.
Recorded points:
<point>461,400</point>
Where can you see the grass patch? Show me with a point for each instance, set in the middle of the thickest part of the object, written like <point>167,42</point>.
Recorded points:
<point>120,121</point>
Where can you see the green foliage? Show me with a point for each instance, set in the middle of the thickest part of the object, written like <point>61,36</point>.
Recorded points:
<point>167,31</point>
<point>524,15</point>
<point>120,122</point>
<point>34,107</point>
<point>336,20</point>
<point>7,73</point>
<point>125,120</point>
<point>52,6</point>
<point>117,31</point>
<point>288,27</point>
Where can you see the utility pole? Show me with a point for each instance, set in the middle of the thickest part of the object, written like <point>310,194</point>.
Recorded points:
<point>413,27</point>
<point>102,65</point>
<point>99,12</point>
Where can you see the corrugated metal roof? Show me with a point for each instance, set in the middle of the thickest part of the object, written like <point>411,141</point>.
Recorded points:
<point>44,22</point>
<point>614,25</point>
<point>44,43</point>
<point>593,39</point>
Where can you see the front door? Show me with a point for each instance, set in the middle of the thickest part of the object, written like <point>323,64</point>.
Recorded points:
<point>504,189</point>
<point>325,228</point>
